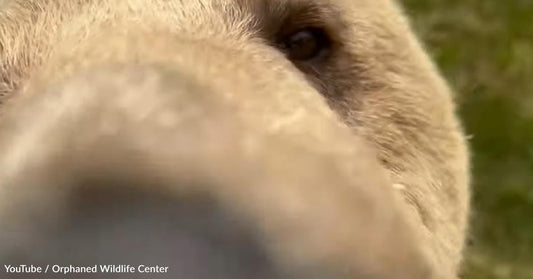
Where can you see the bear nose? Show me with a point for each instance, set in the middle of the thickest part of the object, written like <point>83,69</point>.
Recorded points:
<point>127,180</point>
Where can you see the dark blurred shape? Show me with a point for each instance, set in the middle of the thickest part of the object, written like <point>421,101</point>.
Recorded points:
<point>114,224</point>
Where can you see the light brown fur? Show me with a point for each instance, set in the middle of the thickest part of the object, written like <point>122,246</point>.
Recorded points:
<point>323,161</point>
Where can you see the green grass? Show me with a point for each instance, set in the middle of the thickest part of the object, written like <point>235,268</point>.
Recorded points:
<point>485,50</point>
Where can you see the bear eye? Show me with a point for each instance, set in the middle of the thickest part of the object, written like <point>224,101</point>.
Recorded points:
<point>306,44</point>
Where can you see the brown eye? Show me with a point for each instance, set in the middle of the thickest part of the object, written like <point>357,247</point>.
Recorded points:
<point>306,44</point>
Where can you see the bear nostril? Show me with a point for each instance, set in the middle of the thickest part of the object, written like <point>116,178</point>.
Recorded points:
<point>108,222</point>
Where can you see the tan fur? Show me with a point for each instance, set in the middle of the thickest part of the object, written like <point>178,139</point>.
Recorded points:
<point>326,161</point>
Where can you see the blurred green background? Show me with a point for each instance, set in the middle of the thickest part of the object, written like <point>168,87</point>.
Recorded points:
<point>485,50</point>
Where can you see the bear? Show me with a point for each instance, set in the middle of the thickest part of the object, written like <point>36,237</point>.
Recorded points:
<point>227,139</point>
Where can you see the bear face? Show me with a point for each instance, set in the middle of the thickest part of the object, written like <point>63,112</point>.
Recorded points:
<point>321,128</point>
